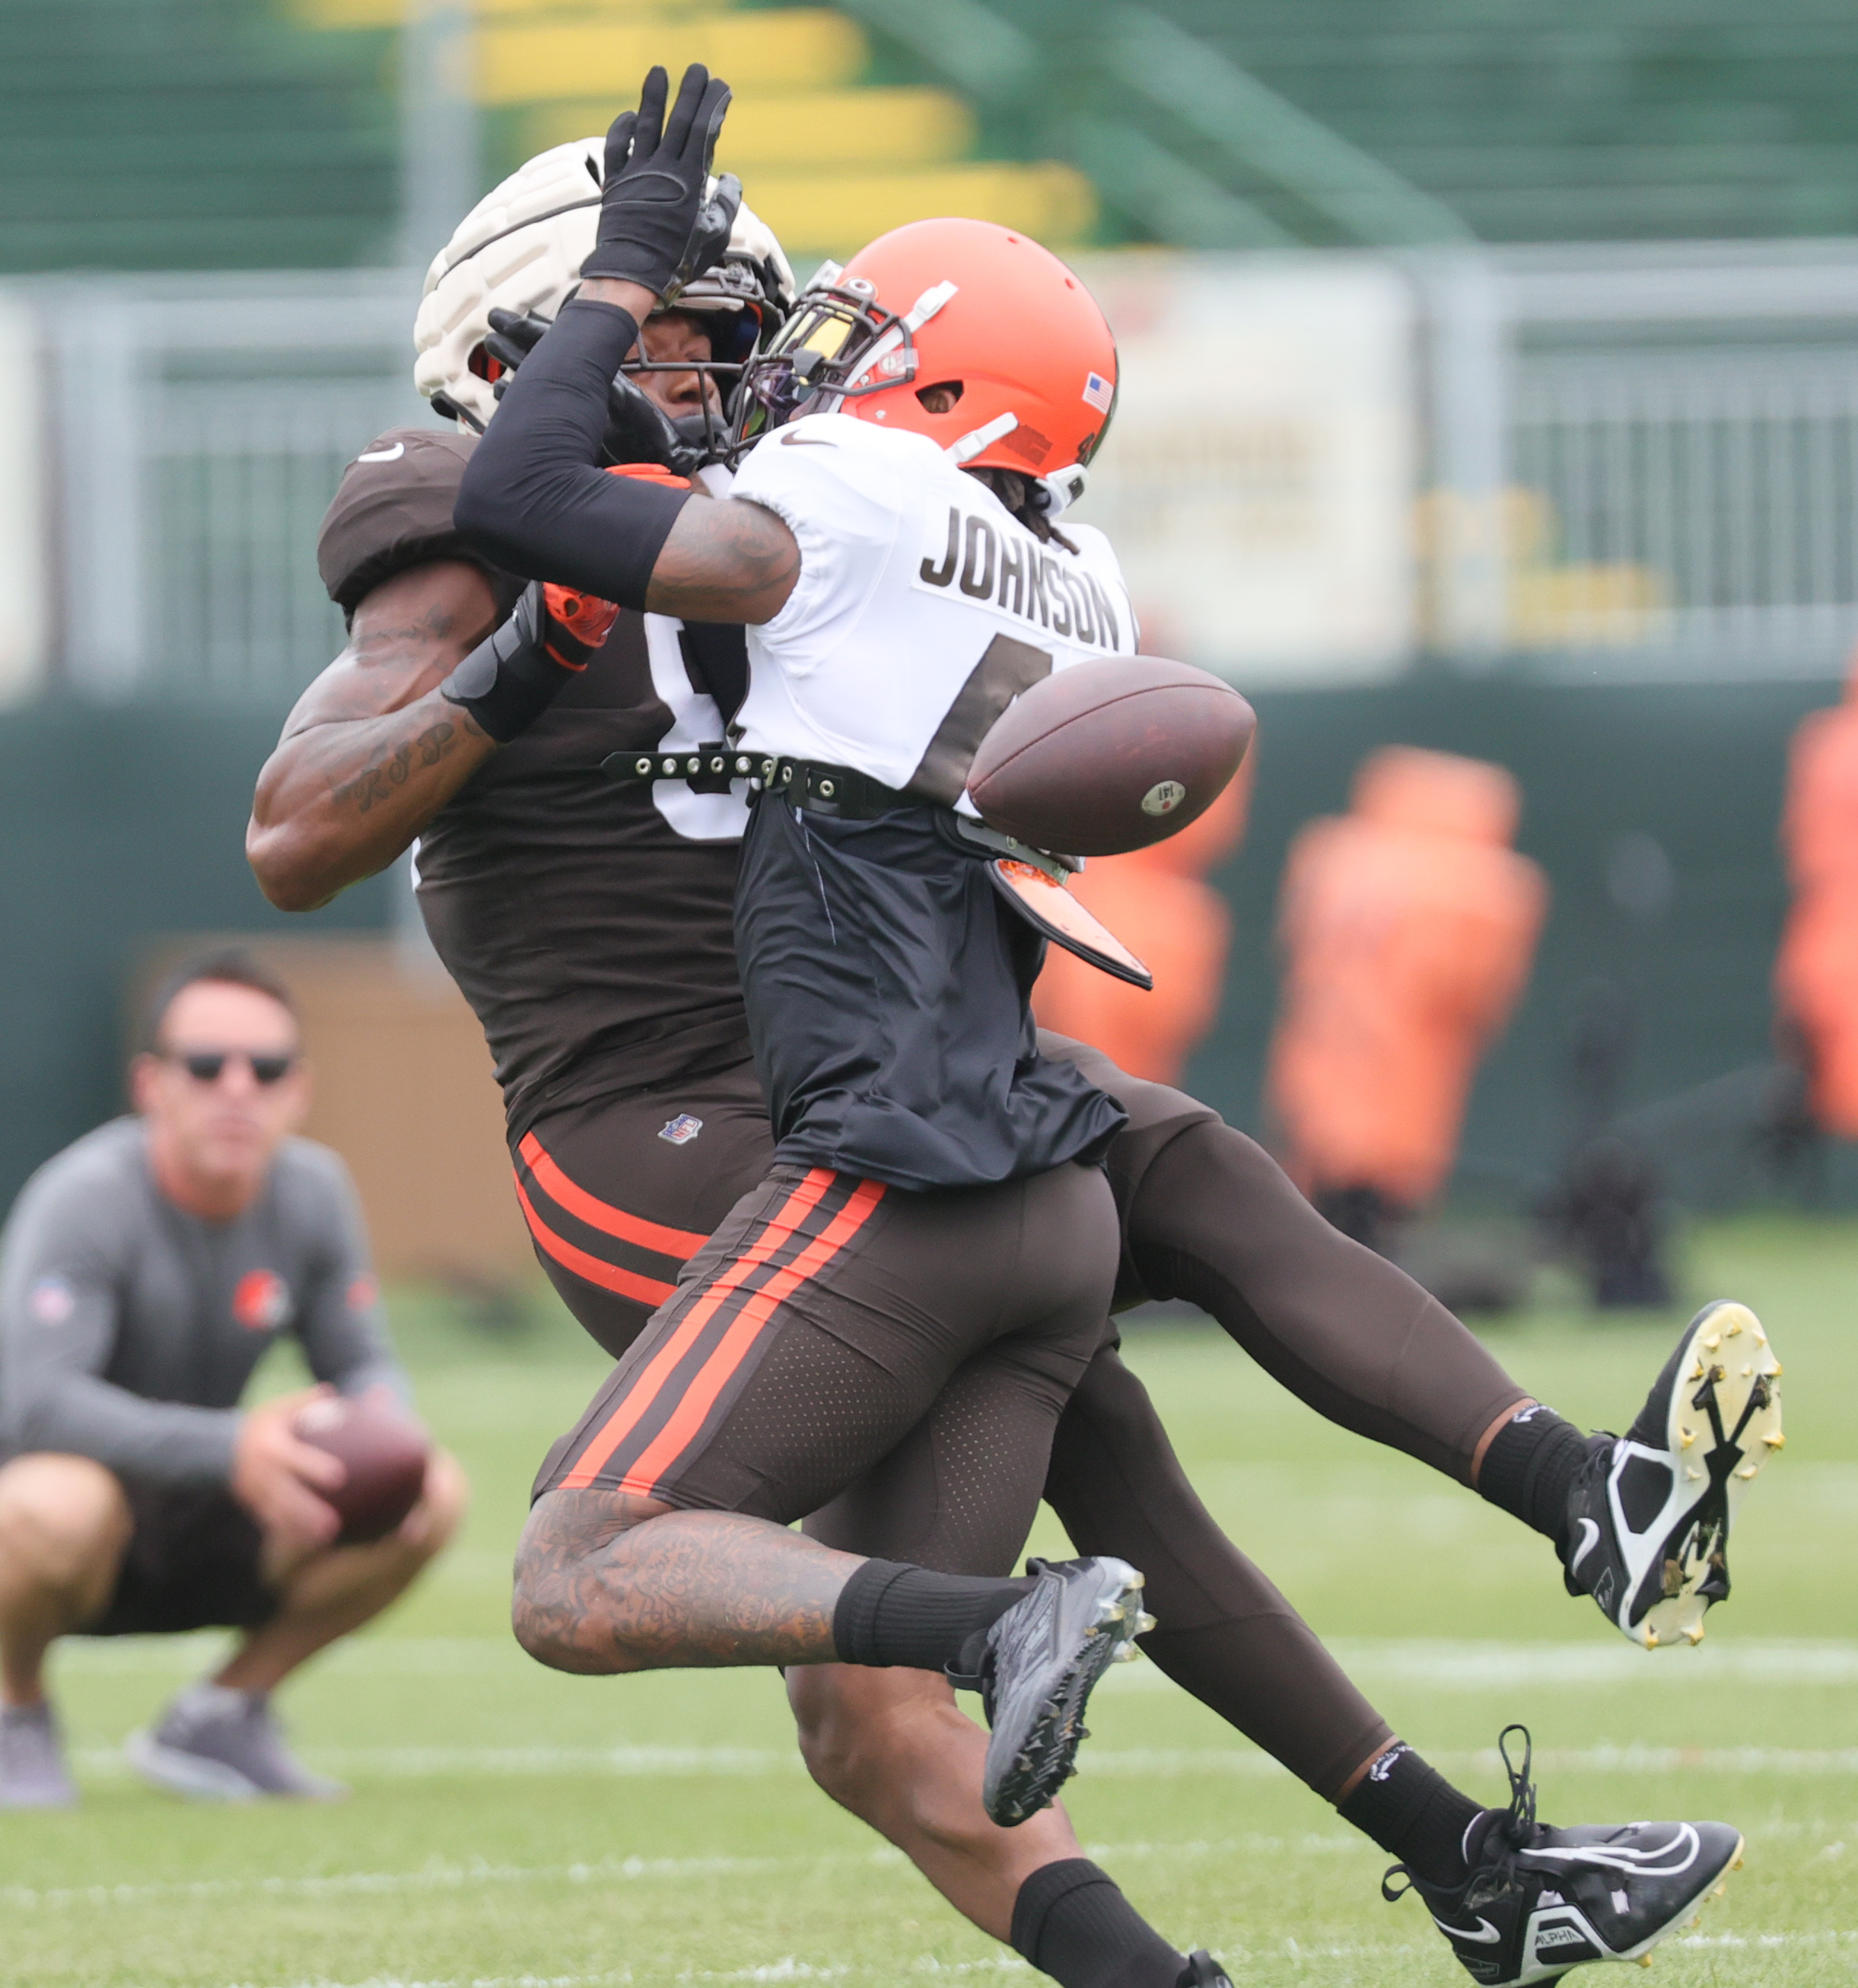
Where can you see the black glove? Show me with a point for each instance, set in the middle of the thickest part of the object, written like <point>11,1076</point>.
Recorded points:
<point>517,671</point>
<point>638,429</point>
<point>512,336</point>
<point>657,179</point>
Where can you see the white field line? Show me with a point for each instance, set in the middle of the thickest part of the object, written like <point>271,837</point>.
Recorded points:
<point>789,1969</point>
<point>438,1876</point>
<point>1445,1663</point>
<point>786,1968</point>
<point>435,1877</point>
<point>1605,1662</point>
<point>414,1763</point>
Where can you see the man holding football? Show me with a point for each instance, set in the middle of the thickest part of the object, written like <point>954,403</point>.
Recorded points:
<point>144,1272</point>
<point>1320,1314</point>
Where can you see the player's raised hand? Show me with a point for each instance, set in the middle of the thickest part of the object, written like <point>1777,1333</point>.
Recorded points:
<point>660,222</point>
<point>513,336</point>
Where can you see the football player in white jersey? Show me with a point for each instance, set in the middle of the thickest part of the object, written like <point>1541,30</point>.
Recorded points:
<point>594,1596</point>
<point>931,1256</point>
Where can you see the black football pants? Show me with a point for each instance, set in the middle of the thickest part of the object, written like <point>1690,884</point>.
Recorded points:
<point>619,1194</point>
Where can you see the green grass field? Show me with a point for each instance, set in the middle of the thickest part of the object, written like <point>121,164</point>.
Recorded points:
<point>512,1826</point>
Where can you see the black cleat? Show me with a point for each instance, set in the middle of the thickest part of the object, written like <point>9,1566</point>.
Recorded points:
<point>1539,1901</point>
<point>1043,1659</point>
<point>1203,1971</point>
<point>1649,1516</point>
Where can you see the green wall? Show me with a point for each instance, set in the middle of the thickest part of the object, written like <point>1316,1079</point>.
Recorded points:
<point>116,824</point>
<point>119,824</point>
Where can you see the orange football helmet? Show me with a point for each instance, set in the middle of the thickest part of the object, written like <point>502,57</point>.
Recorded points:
<point>965,304</point>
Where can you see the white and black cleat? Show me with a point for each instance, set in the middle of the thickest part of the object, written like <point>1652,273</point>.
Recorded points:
<point>1043,1659</point>
<point>1203,1971</point>
<point>1649,1517</point>
<point>1538,1900</point>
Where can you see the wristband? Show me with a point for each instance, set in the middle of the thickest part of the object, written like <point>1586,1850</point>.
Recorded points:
<point>517,671</point>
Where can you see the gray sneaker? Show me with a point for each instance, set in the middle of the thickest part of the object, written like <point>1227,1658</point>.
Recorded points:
<point>214,1744</point>
<point>32,1759</point>
<point>1043,1658</point>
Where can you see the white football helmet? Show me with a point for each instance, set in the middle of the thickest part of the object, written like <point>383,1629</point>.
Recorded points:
<point>520,249</point>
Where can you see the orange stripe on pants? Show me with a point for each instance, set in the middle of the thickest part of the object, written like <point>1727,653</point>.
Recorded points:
<point>600,1214</point>
<point>700,1396</point>
<point>609,1277</point>
<point>625,1418</point>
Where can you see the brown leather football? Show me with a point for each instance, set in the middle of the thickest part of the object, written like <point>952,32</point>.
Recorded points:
<point>1110,755</point>
<point>385,1455</point>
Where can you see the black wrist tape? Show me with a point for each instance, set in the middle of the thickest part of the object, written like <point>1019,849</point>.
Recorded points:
<point>508,680</point>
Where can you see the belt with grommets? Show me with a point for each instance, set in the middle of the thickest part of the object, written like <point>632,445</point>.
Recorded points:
<point>840,791</point>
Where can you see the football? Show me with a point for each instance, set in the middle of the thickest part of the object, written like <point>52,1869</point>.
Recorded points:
<point>1110,755</point>
<point>385,1454</point>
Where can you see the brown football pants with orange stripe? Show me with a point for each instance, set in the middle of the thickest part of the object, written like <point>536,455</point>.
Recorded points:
<point>899,1359</point>
<point>620,1194</point>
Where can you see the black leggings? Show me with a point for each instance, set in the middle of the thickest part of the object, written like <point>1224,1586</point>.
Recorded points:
<point>1208,1215</point>
<point>1225,1633</point>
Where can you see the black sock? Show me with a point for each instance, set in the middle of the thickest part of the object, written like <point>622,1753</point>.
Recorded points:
<point>1072,1922</point>
<point>1530,1468</point>
<point>1414,1813</point>
<point>892,1613</point>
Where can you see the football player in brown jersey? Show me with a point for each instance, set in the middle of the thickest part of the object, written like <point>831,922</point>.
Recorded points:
<point>590,924</point>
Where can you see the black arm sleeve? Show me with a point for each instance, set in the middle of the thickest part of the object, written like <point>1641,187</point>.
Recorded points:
<point>532,498</point>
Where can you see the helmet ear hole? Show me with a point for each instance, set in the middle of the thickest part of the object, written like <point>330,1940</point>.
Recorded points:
<point>940,398</point>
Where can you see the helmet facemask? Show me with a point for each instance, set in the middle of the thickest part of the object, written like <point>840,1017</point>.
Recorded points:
<point>515,257</point>
<point>839,345</point>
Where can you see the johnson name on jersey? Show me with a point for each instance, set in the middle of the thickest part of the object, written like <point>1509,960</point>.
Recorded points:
<point>923,606</point>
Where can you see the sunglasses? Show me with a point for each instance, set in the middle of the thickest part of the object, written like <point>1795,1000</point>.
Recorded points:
<point>207,1065</point>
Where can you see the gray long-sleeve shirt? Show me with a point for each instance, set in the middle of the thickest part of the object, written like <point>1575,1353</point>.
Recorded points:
<point>128,1328</point>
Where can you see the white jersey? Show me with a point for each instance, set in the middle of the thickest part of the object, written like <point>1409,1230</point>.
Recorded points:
<point>923,607</point>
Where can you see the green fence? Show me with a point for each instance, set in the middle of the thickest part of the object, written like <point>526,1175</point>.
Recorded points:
<point>122,823</point>
<point>118,823</point>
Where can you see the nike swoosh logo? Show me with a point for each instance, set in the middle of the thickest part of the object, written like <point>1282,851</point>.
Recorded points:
<point>1484,1935</point>
<point>384,454</point>
<point>1589,1534</point>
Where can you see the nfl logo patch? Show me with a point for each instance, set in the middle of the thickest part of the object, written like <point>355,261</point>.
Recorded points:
<point>261,1301</point>
<point>682,1129</point>
<point>1097,392</point>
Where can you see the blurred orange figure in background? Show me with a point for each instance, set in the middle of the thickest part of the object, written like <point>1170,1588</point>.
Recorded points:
<point>1408,927</point>
<point>1155,901</point>
<point>1816,977</point>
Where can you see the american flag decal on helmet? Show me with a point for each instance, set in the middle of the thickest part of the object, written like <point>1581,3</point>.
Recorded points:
<point>1098,392</point>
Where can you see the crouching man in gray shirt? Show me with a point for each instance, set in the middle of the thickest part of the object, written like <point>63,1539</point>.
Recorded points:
<point>143,1273</point>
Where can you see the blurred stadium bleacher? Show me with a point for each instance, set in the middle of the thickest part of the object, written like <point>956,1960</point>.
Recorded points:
<point>193,134</point>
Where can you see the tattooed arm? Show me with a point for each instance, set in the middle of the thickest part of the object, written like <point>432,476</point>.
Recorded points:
<point>372,752</point>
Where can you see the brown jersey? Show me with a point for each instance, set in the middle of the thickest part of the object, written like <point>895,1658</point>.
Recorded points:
<point>589,924</point>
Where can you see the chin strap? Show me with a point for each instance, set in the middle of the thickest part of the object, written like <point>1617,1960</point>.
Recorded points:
<point>1055,495</point>
<point>964,448</point>
<point>1062,488</point>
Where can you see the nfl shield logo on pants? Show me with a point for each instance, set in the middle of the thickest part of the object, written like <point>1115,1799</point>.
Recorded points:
<point>682,1129</point>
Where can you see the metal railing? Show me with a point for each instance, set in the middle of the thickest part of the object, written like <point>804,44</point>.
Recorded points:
<point>1638,462</point>
<point>1679,436</point>
<point>199,429</point>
